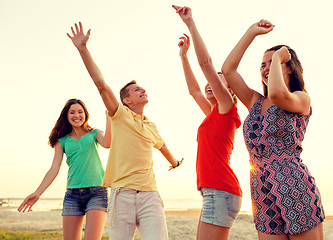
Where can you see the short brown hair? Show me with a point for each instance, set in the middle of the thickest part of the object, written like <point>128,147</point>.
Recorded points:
<point>124,91</point>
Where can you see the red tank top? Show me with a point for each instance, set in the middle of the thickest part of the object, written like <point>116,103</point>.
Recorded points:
<point>215,144</point>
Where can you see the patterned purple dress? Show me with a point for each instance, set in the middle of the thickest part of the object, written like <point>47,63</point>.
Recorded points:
<point>285,199</point>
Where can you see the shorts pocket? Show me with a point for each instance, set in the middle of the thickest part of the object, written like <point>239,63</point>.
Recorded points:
<point>68,193</point>
<point>208,205</point>
<point>160,199</point>
<point>234,205</point>
<point>101,190</point>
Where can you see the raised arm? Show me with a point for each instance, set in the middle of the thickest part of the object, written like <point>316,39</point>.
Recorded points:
<point>80,40</point>
<point>104,139</point>
<point>48,179</point>
<point>278,92</point>
<point>246,95</point>
<point>169,156</point>
<point>191,81</point>
<point>221,93</point>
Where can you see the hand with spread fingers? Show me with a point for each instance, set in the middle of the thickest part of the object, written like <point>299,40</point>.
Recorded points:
<point>79,39</point>
<point>28,202</point>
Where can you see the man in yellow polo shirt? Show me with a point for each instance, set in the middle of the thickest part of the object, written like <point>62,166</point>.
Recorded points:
<point>134,200</point>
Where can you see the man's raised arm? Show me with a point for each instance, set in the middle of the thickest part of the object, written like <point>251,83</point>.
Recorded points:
<point>80,40</point>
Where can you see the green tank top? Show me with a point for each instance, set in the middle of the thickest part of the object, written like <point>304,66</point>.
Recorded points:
<point>84,165</point>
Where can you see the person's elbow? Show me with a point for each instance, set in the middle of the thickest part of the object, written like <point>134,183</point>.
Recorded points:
<point>101,86</point>
<point>226,69</point>
<point>206,63</point>
<point>163,149</point>
<point>276,96</point>
<point>53,171</point>
<point>107,143</point>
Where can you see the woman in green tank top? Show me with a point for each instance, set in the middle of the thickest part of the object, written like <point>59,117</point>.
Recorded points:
<point>73,136</point>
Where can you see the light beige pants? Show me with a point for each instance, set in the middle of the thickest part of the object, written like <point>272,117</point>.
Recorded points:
<point>129,208</point>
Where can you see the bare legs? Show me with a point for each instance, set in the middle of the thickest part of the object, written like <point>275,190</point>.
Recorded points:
<point>316,233</point>
<point>209,231</point>
<point>95,221</point>
<point>312,234</point>
<point>72,226</point>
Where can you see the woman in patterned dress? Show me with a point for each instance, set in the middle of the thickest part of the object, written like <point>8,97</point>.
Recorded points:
<point>286,202</point>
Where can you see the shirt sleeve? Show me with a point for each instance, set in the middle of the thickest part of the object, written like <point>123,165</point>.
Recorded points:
<point>119,111</point>
<point>158,139</point>
<point>94,133</point>
<point>62,142</point>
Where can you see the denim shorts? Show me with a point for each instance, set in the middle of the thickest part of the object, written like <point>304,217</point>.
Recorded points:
<point>78,201</point>
<point>219,207</point>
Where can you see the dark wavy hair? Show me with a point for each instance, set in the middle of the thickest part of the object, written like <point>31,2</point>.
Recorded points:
<point>62,126</point>
<point>296,81</point>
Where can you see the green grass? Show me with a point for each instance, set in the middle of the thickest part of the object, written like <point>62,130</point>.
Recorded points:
<point>18,235</point>
<point>24,235</point>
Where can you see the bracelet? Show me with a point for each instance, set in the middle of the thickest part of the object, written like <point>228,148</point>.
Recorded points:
<point>177,164</point>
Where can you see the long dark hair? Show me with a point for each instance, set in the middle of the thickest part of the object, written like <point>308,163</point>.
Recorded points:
<point>62,126</point>
<point>296,81</point>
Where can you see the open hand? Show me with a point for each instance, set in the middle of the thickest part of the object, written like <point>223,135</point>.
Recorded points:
<point>78,38</point>
<point>28,203</point>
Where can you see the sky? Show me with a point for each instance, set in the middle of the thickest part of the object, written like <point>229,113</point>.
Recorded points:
<point>137,40</point>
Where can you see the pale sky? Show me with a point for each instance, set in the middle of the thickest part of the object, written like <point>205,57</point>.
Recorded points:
<point>40,70</point>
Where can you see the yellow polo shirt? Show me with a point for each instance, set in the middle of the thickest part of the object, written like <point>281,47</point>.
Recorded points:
<point>130,163</point>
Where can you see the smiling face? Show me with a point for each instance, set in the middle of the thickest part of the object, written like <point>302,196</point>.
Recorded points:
<point>265,68</point>
<point>209,92</point>
<point>136,95</point>
<point>76,115</point>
